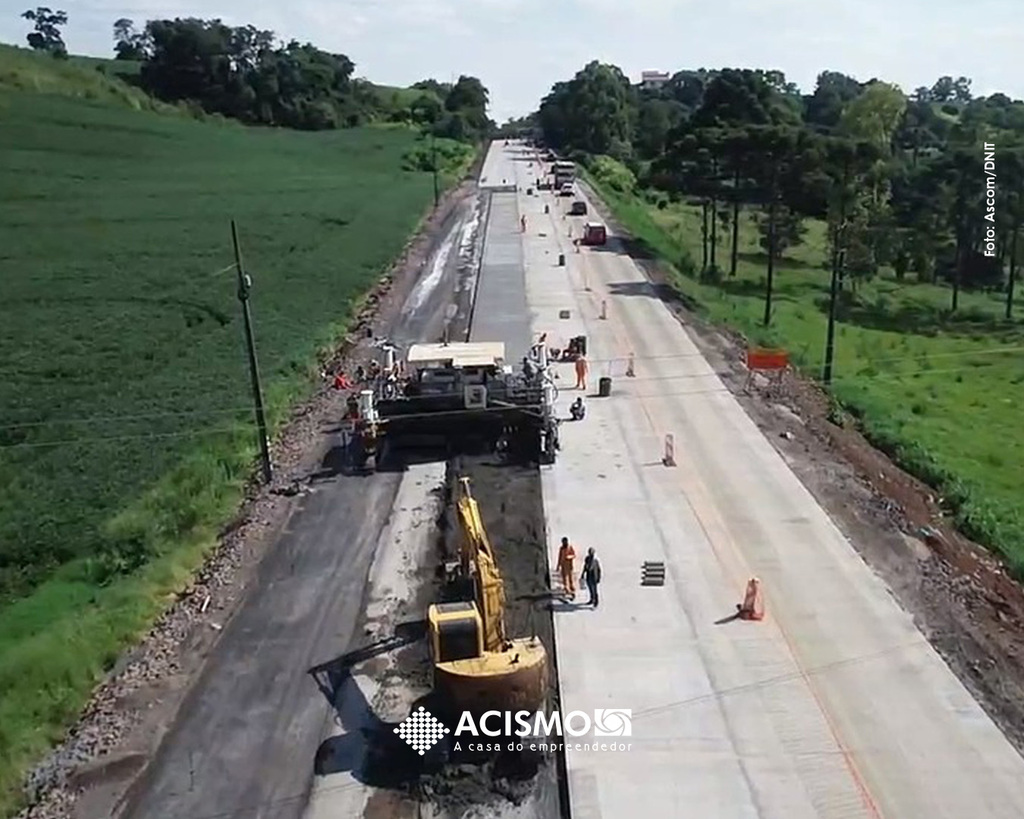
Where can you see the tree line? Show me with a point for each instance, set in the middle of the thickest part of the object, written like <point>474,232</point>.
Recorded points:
<point>247,74</point>
<point>901,181</point>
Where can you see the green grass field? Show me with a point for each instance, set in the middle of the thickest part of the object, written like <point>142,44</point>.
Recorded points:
<point>941,393</point>
<point>125,421</point>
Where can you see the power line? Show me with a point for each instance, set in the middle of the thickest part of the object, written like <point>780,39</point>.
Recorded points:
<point>103,439</point>
<point>109,419</point>
<point>456,394</point>
<point>793,676</point>
<point>848,377</point>
<point>862,364</point>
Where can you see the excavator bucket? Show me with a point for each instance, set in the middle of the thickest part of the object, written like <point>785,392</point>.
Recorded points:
<point>512,680</point>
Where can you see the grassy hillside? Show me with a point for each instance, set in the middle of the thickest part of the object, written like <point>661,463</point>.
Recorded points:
<point>125,429</point>
<point>85,78</point>
<point>108,80</point>
<point>942,393</point>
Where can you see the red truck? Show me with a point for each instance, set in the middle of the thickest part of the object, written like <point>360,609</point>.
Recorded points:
<point>594,234</point>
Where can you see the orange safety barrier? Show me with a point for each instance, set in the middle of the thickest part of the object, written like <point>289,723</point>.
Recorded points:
<point>760,358</point>
<point>763,359</point>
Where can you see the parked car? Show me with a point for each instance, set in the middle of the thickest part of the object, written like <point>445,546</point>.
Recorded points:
<point>579,208</point>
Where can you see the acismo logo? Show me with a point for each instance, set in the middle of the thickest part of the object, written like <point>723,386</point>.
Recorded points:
<point>606,722</point>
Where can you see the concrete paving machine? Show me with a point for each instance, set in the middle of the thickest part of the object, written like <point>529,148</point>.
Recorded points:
<point>477,667</point>
<point>452,393</point>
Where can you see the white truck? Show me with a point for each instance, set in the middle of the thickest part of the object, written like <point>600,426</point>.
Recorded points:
<point>564,173</point>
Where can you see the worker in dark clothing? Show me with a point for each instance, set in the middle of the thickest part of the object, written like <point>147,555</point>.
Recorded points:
<point>352,407</point>
<point>577,410</point>
<point>528,369</point>
<point>591,575</point>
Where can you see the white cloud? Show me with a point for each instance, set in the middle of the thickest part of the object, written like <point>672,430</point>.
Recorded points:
<point>519,48</point>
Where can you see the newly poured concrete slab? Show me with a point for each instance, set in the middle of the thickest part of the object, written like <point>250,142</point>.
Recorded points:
<point>500,312</point>
<point>834,706</point>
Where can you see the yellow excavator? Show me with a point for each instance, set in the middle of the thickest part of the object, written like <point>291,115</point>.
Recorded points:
<point>477,667</point>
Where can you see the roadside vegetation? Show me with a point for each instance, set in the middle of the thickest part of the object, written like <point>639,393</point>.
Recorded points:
<point>857,184</point>
<point>126,433</point>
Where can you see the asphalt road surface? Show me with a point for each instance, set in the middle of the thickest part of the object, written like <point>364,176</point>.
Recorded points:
<point>246,736</point>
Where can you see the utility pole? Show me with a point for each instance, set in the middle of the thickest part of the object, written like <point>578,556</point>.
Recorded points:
<point>244,285</point>
<point>433,162</point>
<point>838,258</point>
<point>838,262</point>
<point>769,281</point>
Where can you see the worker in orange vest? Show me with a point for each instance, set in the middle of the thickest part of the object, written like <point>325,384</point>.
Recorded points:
<point>566,558</point>
<point>581,372</point>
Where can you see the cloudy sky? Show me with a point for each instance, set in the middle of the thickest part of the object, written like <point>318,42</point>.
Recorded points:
<point>519,48</point>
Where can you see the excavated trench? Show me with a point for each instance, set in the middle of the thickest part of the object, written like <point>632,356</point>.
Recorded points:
<point>460,784</point>
<point>457,784</point>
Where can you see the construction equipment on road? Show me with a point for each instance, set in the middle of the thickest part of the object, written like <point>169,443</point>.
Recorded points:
<point>477,666</point>
<point>577,347</point>
<point>456,394</point>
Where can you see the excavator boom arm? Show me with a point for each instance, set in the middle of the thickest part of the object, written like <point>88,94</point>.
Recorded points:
<point>478,558</point>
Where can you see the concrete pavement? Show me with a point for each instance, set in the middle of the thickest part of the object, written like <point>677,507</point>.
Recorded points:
<point>500,312</point>
<point>404,548</point>
<point>834,706</point>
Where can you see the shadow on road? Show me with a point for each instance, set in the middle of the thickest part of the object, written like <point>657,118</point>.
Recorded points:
<point>569,605</point>
<point>334,463</point>
<point>643,288</point>
<point>369,748</point>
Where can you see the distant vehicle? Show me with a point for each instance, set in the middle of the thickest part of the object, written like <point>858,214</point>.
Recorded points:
<point>566,189</point>
<point>579,208</point>
<point>594,234</point>
<point>563,172</point>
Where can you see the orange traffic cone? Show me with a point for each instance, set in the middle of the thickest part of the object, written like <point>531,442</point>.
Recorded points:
<point>752,607</point>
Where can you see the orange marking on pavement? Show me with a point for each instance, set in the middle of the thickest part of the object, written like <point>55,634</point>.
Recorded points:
<point>618,330</point>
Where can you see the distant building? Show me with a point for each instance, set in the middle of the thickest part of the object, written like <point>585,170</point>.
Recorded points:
<point>653,79</point>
